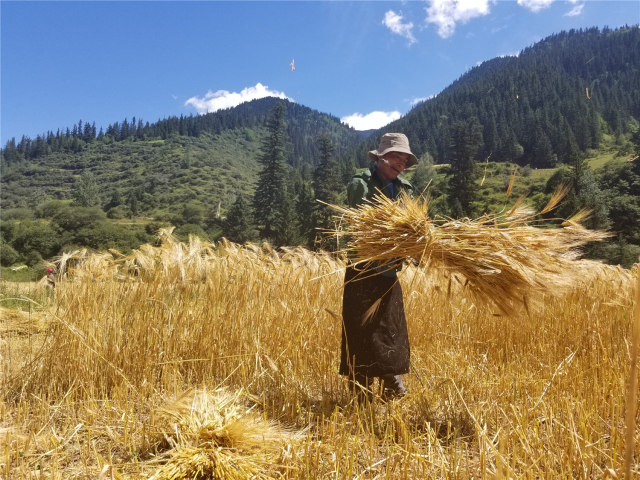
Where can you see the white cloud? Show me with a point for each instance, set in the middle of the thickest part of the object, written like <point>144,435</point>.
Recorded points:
<point>415,101</point>
<point>535,5</point>
<point>393,22</point>
<point>577,10</point>
<point>505,55</point>
<point>371,120</point>
<point>447,13</point>
<point>495,30</point>
<point>213,101</point>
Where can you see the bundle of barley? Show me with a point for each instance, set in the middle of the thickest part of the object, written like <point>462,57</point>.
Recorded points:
<point>501,258</point>
<point>213,435</point>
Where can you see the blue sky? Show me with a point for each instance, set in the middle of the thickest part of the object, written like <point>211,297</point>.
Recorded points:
<point>365,62</point>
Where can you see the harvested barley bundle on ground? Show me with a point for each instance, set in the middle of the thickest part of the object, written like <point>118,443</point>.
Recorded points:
<point>214,435</point>
<point>500,257</point>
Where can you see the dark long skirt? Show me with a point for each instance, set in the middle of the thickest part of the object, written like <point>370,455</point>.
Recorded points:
<point>380,346</point>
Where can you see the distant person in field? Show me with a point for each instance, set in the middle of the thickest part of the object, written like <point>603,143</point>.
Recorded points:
<point>379,347</point>
<point>51,278</point>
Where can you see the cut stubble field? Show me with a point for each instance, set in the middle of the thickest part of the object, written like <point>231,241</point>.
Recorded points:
<point>201,361</point>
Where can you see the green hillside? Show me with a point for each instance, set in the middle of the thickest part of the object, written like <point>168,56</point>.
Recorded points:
<point>161,174</point>
<point>214,158</point>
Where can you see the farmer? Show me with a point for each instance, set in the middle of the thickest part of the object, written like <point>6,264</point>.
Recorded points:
<point>51,278</point>
<point>375,342</point>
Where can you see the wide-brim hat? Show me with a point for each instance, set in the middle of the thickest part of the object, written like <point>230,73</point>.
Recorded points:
<point>394,142</point>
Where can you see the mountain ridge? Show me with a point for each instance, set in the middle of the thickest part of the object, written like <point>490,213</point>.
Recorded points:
<point>571,86</point>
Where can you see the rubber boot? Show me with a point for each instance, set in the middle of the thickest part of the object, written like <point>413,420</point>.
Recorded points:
<point>392,387</point>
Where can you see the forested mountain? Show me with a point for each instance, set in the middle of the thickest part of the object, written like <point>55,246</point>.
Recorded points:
<point>204,158</point>
<point>554,99</point>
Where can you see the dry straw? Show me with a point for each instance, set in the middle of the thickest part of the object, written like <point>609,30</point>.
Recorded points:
<point>501,257</point>
<point>213,435</point>
<point>548,392</point>
<point>632,390</point>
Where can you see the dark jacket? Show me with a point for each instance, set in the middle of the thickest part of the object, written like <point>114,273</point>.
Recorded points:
<point>380,346</point>
<point>363,187</point>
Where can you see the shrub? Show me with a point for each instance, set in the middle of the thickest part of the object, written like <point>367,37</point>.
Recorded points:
<point>8,255</point>
<point>17,214</point>
<point>38,235</point>
<point>561,175</point>
<point>184,231</point>
<point>51,208</point>
<point>619,253</point>
<point>539,201</point>
<point>72,219</point>
<point>193,214</point>
<point>119,212</point>
<point>104,235</point>
<point>33,258</point>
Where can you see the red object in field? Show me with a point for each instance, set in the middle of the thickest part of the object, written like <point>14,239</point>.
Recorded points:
<point>49,270</point>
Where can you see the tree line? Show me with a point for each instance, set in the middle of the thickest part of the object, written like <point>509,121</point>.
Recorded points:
<point>303,126</point>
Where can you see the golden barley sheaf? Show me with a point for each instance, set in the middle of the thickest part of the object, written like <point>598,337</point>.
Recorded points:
<point>502,258</point>
<point>216,435</point>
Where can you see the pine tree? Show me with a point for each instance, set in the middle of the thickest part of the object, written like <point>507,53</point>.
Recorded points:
<point>267,200</point>
<point>306,210</point>
<point>287,227</point>
<point>465,139</point>
<point>542,152</point>
<point>491,137</point>
<point>326,181</point>
<point>585,194</point>
<point>238,226</point>
<point>86,134</point>
<point>568,146</point>
<point>578,168</point>
<point>348,170</point>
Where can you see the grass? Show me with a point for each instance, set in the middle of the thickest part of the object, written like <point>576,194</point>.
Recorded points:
<point>544,173</point>
<point>123,338</point>
<point>601,160</point>
<point>20,273</point>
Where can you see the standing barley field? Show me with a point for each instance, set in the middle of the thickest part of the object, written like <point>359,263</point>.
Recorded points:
<point>220,361</point>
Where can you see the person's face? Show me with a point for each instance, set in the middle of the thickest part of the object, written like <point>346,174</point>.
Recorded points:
<point>392,164</point>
